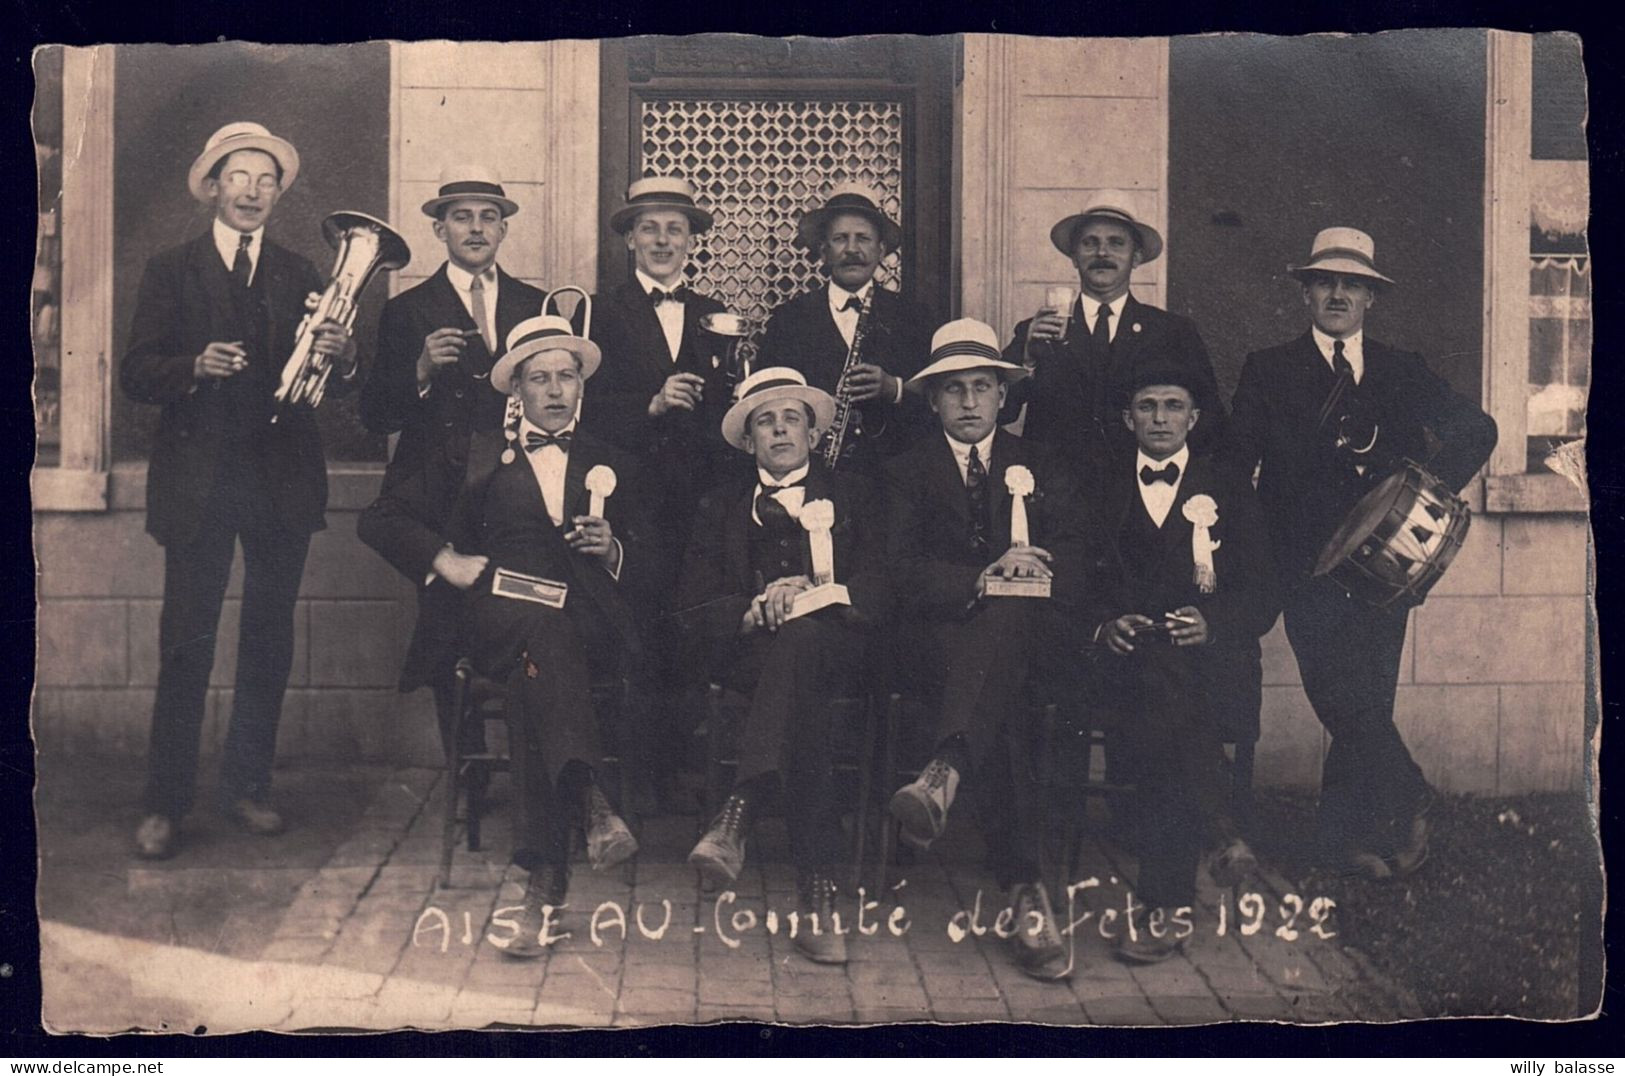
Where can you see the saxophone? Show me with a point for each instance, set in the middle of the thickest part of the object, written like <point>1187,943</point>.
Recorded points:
<point>848,420</point>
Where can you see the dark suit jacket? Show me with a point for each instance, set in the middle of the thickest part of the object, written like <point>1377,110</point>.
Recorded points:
<point>184,305</point>
<point>680,449</point>
<point>1075,403</point>
<point>802,335</point>
<point>521,537</point>
<point>1307,486</point>
<point>433,446</point>
<point>935,568</point>
<point>717,582</point>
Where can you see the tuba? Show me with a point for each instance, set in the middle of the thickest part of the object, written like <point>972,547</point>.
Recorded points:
<point>365,245</point>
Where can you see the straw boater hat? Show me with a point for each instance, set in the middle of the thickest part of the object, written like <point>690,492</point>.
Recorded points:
<point>660,192</point>
<point>848,198</point>
<point>766,386</point>
<point>1113,206</point>
<point>545,333</point>
<point>233,137</point>
<point>458,182</point>
<point>966,344</point>
<point>1341,250</point>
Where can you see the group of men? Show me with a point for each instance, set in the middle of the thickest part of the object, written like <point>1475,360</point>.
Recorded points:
<point>593,499</point>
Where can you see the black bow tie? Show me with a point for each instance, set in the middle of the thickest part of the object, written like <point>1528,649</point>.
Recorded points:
<point>534,441</point>
<point>1168,474</point>
<point>853,303</point>
<point>678,294</point>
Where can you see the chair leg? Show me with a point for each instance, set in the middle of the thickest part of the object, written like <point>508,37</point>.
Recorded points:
<point>866,765</point>
<point>888,773</point>
<point>454,769</point>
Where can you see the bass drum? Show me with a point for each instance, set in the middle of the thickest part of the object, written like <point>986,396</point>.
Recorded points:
<point>1398,540</point>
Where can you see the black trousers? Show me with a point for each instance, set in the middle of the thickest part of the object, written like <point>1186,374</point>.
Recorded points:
<point>549,660</point>
<point>981,666</point>
<point>195,577</point>
<point>1171,748</point>
<point>791,676</point>
<point>1349,653</point>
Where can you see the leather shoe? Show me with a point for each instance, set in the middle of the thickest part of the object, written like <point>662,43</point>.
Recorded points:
<point>256,818</point>
<point>818,898</point>
<point>609,841</point>
<point>720,854</point>
<point>1408,858</point>
<point>1042,956</point>
<point>921,806</point>
<point>1232,864</point>
<point>155,837</point>
<point>548,885</point>
<point>1358,863</point>
<point>1145,948</point>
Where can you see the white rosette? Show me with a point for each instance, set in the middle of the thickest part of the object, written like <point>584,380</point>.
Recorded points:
<point>1203,513</point>
<point>600,483</point>
<point>818,517</point>
<point>1019,481</point>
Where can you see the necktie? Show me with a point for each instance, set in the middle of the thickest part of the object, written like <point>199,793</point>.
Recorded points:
<point>1102,333</point>
<point>1340,361</point>
<point>679,294</point>
<point>976,497</point>
<point>768,508</point>
<point>476,302</point>
<point>1168,474</point>
<point>534,441</point>
<point>241,267</point>
<point>853,303</point>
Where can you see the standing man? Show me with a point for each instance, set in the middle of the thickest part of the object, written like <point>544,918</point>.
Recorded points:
<point>814,332</point>
<point>1179,623</point>
<point>750,558</point>
<point>1314,464</point>
<point>569,616</point>
<point>215,321</point>
<point>949,537</point>
<point>431,384</point>
<point>1083,359</point>
<point>660,398</point>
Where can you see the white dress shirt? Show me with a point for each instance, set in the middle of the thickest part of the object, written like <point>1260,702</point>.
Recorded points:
<point>1159,497</point>
<point>461,279</point>
<point>847,320</point>
<point>781,490</point>
<point>984,453</point>
<point>226,240</point>
<point>1091,311</point>
<point>669,314</point>
<point>548,464</point>
<point>1352,350</point>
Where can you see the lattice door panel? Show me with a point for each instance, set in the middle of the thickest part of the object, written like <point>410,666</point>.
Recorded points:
<point>758,164</point>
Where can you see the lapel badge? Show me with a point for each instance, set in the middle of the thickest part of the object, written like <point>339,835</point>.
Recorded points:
<point>1135,327</point>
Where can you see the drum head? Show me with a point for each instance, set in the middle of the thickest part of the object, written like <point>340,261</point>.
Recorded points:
<point>1361,521</point>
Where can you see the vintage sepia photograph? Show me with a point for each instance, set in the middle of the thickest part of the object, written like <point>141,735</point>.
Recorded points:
<point>814,531</point>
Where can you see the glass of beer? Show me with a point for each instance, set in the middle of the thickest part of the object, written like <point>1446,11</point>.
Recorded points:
<point>1059,299</point>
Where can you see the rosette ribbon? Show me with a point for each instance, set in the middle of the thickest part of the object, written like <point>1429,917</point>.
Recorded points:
<point>818,517</point>
<point>1203,513</point>
<point>1019,481</point>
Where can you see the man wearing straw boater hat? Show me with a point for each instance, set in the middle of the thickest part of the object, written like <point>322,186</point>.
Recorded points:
<point>659,396</point>
<point>814,332</point>
<point>557,520</point>
<point>1324,419</point>
<point>751,557</point>
<point>952,535</point>
<point>437,342</point>
<point>1083,357</point>
<point>215,321</point>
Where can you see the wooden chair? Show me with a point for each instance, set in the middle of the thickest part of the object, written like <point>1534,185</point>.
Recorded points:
<point>876,717</point>
<point>479,698</point>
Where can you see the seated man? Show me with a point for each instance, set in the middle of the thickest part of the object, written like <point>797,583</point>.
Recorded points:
<point>949,537</point>
<point>528,506</point>
<point>1193,592</point>
<point>750,556</point>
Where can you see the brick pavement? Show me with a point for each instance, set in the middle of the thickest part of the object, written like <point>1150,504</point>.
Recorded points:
<point>370,941</point>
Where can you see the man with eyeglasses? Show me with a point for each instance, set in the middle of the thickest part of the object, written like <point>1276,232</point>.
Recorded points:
<point>215,320</point>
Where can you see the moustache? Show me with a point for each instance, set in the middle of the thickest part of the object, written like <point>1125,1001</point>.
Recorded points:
<point>1103,263</point>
